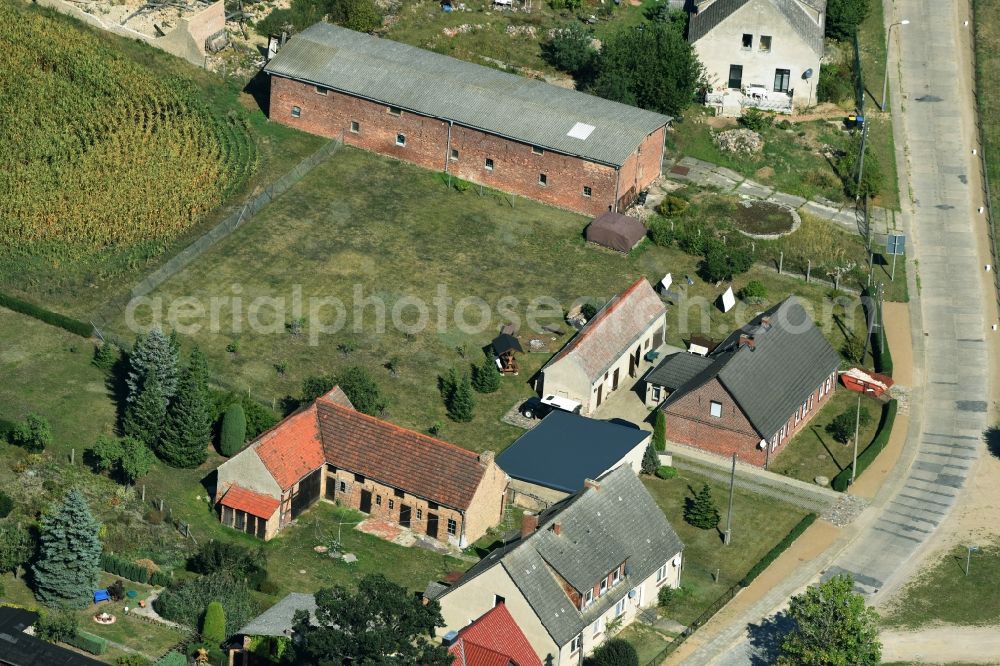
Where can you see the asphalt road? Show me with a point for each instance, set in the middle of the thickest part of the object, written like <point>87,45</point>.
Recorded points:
<point>949,400</point>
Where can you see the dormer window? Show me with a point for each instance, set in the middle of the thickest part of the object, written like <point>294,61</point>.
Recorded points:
<point>588,598</point>
<point>616,576</point>
<point>604,586</point>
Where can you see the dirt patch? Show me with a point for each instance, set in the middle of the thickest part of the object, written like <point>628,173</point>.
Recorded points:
<point>942,644</point>
<point>763,174</point>
<point>763,218</point>
<point>720,122</point>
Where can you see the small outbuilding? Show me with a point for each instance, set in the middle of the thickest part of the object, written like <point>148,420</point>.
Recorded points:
<point>505,346</point>
<point>616,231</point>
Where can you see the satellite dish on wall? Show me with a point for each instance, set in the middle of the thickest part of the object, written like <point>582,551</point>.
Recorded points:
<point>807,74</point>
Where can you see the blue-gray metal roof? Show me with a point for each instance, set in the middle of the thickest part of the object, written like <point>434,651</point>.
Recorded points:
<point>516,107</point>
<point>564,449</point>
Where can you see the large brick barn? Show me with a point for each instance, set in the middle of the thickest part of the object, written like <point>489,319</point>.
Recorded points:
<point>512,133</point>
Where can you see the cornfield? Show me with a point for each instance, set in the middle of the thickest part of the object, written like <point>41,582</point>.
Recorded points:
<point>99,153</point>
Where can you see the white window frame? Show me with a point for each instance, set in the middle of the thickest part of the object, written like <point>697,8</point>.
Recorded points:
<point>620,607</point>
<point>296,112</point>
<point>713,407</point>
<point>604,587</point>
<point>616,576</point>
<point>576,644</point>
<point>597,628</point>
<point>401,140</point>
<point>543,179</point>
<point>661,573</point>
<point>588,598</point>
<point>355,127</point>
<point>489,164</point>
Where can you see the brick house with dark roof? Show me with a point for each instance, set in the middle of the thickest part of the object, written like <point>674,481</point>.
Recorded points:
<point>329,450</point>
<point>609,349</point>
<point>754,391</point>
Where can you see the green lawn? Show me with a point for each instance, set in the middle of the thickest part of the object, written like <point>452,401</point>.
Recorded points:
<point>758,523</point>
<point>987,42</point>
<point>791,160</point>
<point>370,225</point>
<point>648,642</point>
<point>943,593</point>
<point>814,452</point>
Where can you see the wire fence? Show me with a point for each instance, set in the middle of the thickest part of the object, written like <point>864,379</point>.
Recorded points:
<point>981,111</point>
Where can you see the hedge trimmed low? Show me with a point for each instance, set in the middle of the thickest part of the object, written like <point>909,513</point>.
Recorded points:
<point>120,566</point>
<point>88,643</point>
<point>778,549</point>
<point>47,316</point>
<point>868,456</point>
<point>172,658</point>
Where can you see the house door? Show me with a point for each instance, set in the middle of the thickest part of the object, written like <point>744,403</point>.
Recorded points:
<point>600,393</point>
<point>657,338</point>
<point>614,380</point>
<point>432,525</point>
<point>631,366</point>
<point>366,501</point>
<point>634,362</point>
<point>736,76</point>
<point>404,515</point>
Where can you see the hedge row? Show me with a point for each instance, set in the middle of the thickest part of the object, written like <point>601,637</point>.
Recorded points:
<point>48,316</point>
<point>127,569</point>
<point>867,457</point>
<point>779,548</point>
<point>172,658</point>
<point>88,642</point>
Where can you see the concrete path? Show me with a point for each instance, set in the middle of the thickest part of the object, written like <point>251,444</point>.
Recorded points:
<point>951,384</point>
<point>706,174</point>
<point>943,644</point>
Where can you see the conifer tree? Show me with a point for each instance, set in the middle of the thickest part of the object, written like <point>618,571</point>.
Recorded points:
<point>153,350</point>
<point>701,511</point>
<point>198,366</point>
<point>650,460</point>
<point>660,431</point>
<point>213,627</point>
<point>69,555</point>
<point>146,417</point>
<point>462,402</point>
<point>189,426</point>
<point>486,376</point>
<point>234,430</point>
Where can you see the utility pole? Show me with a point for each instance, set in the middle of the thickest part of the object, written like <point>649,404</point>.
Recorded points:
<point>727,537</point>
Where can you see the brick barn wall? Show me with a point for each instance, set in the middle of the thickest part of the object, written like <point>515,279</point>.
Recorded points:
<point>642,167</point>
<point>515,167</point>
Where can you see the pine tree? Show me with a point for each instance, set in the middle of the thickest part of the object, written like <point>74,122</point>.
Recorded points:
<point>151,351</point>
<point>701,511</point>
<point>463,402</point>
<point>69,555</point>
<point>234,430</point>
<point>189,426</point>
<point>660,431</point>
<point>146,417</point>
<point>650,460</point>
<point>198,366</point>
<point>486,376</point>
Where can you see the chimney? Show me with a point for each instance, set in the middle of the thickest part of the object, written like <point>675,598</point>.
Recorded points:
<point>529,523</point>
<point>486,458</point>
<point>557,528</point>
<point>746,340</point>
<point>590,483</point>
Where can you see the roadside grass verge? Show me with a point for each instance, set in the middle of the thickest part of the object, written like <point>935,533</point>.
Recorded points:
<point>871,38</point>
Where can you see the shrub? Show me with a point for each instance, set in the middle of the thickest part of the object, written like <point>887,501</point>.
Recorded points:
<point>6,504</point>
<point>868,456</point>
<point>700,511</point>
<point>834,84</point>
<point>754,293</point>
<point>569,49</point>
<point>56,627</point>
<point>213,627</point>
<point>853,347</point>
<point>132,660</point>
<point>234,430</point>
<point>844,16</point>
<point>88,642</point>
<point>33,434</point>
<point>269,587</point>
<point>117,590</point>
<point>185,602</point>
<point>360,15</point>
<point>841,428</point>
<point>671,206</point>
<point>172,658</point>
<point>588,310</point>
<point>661,232</point>
<point>872,180</point>
<point>778,549</point>
<point>666,472</point>
<point>722,262</point>
<point>105,356</point>
<point>756,120</point>
<point>615,652</point>
<point>49,317</point>
<point>664,596</point>
<point>486,376</point>
<point>226,557</point>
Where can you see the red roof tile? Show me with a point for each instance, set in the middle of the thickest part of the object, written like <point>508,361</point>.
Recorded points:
<point>493,640</point>
<point>419,464</point>
<point>615,326</point>
<point>253,503</point>
<point>291,449</point>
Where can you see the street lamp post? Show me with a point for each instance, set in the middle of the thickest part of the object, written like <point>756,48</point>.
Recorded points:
<point>885,82</point>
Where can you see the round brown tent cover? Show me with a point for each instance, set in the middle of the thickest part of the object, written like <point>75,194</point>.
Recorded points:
<point>617,231</point>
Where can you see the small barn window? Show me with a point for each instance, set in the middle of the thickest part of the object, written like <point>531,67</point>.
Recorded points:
<point>296,112</point>
<point>378,500</point>
<point>537,151</point>
<point>765,43</point>
<point>320,90</point>
<point>355,127</point>
<point>392,505</point>
<point>359,478</point>
<point>715,409</point>
<point>454,154</point>
<point>420,514</point>
<point>489,164</point>
<point>343,486</point>
<point>747,41</point>
<point>452,526</point>
<point>400,139</point>
<point>395,110</point>
<point>543,180</point>
<point>587,192</point>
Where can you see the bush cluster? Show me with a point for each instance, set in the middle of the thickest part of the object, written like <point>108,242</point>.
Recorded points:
<point>186,602</point>
<point>666,472</point>
<point>867,457</point>
<point>88,642</point>
<point>224,557</point>
<point>778,549</point>
<point>120,566</point>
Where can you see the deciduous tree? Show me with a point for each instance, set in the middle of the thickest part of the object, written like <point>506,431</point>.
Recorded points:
<point>570,48</point>
<point>33,434</point>
<point>69,554</point>
<point>362,390</point>
<point>832,626</point>
<point>844,16</point>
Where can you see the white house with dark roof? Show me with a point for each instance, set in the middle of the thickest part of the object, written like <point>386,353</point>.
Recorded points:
<point>598,556</point>
<point>762,53</point>
<point>609,349</point>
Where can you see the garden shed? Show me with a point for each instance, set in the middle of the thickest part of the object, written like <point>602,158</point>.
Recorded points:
<point>616,231</point>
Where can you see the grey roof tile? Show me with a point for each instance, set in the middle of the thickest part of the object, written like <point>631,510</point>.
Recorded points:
<point>677,369</point>
<point>277,620</point>
<point>523,109</point>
